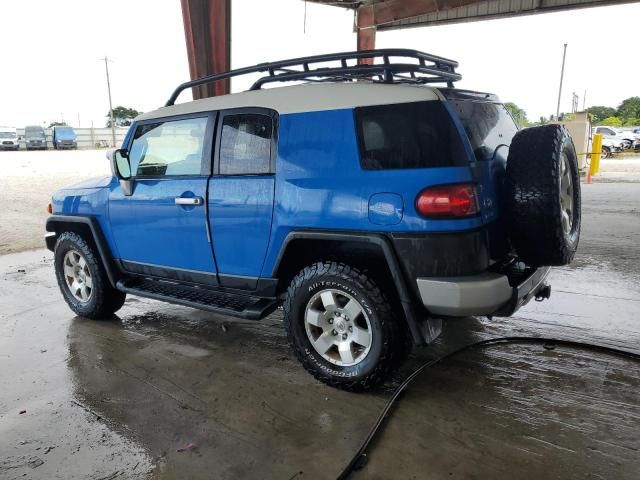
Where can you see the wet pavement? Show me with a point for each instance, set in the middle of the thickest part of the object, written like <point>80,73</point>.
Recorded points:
<point>167,392</point>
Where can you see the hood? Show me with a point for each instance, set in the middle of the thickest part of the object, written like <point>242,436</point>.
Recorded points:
<point>95,182</point>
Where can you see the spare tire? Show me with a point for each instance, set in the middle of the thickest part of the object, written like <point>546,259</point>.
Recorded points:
<point>543,196</point>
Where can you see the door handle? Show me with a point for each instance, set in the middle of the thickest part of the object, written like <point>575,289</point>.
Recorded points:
<point>188,200</point>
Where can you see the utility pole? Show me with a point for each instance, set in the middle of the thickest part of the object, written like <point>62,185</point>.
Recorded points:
<point>584,101</point>
<point>113,125</point>
<point>564,55</point>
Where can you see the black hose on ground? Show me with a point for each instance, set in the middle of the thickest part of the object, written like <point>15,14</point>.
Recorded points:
<point>357,460</point>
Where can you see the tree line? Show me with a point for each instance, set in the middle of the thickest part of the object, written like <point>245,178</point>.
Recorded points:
<point>626,115</point>
<point>122,117</point>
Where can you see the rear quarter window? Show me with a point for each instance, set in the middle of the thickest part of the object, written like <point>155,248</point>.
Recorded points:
<point>488,126</point>
<point>408,135</point>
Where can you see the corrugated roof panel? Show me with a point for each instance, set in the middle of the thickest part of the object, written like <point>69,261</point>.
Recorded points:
<point>495,8</point>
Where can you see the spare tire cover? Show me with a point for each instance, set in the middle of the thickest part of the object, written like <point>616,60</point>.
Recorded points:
<point>543,196</point>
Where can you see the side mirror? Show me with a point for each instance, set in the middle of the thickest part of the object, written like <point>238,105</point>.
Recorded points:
<point>121,168</point>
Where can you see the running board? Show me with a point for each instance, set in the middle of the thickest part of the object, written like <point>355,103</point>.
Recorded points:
<point>233,304</point>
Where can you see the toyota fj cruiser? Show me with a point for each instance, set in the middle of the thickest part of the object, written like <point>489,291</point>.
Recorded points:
<point>365,201</point>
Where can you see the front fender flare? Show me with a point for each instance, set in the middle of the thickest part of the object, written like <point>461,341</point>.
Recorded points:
<point>56,225</point>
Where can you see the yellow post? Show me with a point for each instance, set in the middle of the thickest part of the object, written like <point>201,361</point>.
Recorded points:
<point>596,150</point>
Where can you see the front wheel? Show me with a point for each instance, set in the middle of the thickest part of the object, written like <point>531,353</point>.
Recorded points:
<point>83,280</point>
<point>341,327</point>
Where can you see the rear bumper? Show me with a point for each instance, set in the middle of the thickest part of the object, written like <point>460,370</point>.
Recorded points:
<point>487,293</point>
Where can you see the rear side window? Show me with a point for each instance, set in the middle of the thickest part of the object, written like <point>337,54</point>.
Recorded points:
<point>408,135</point>
<point>245,144</point>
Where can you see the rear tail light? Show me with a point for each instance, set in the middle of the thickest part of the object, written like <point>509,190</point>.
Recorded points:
<point>448,201</point>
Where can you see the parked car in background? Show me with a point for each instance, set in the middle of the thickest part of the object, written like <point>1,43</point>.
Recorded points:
<point>8,138</point>
<point>64,137</point>
<point>35,138</point>
<point>609,147</point>
<point>627,138</point>
<point>634,136</point>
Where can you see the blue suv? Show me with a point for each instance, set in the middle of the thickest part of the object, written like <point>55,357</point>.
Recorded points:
<point>371,200</point>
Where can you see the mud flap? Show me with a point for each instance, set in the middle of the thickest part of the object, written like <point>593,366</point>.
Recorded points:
<point>431,328</point>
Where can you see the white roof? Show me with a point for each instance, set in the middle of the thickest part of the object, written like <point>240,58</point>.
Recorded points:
<point>306,98</point>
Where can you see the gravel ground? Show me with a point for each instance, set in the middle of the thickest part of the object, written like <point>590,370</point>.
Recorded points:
<point>27,182</point>
<point>29,179</point>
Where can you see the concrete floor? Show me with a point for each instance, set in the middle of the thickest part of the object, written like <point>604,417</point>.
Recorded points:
<point>118,399</point>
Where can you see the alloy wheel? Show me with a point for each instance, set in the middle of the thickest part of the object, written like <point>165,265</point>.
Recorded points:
<point>338,327</point>
<point>77,276</point>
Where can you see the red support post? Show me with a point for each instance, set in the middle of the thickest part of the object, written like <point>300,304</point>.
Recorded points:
<point>366,31</point>
<point>207,29</point>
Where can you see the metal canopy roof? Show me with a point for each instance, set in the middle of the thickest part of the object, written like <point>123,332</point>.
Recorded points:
<point>391,14</point>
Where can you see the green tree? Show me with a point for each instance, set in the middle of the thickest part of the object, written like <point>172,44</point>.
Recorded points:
<point>629,108</point>
<point>599,113</point>
<point>632,122</point>
<point>57,124</point>
<point>122,116</point>
<point>611,121</point>
<point>518,114</point>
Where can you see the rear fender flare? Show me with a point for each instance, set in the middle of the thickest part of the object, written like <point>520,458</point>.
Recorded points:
<point>385,246</point>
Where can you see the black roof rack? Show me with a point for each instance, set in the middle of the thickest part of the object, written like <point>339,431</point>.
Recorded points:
<point>428,69</point>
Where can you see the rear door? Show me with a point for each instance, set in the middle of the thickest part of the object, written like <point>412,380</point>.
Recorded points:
<point>241,194</point>
<point>161,229</point>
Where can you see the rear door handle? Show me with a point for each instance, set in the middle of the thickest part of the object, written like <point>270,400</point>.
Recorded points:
<point>188,200</point>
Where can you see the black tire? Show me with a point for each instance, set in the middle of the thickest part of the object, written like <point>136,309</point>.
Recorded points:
<point>606,152</point>
<point>104,300</point>
<point>387,334</point>
<point>534,187</point>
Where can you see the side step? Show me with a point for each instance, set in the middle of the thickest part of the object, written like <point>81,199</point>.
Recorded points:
<point>236,305</point>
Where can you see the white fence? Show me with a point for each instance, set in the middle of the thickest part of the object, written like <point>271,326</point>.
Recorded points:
<point>87,137</point>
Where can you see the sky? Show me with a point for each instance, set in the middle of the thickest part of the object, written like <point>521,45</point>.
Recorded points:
<point>51,68</point>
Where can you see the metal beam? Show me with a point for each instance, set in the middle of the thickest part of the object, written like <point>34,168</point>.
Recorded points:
<point>207,29</point>
<point>390,14</point>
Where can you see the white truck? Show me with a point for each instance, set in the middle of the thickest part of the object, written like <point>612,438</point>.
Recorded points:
<point>8,139</point>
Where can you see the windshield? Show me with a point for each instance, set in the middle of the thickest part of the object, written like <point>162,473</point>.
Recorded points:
<point>66,132</point>
<point>34,132</point>
<point>488,125</point>
<point>7,135</point>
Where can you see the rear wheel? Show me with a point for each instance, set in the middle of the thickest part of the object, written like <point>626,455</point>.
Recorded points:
<point>341,327</point>
<point>83,280</point>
